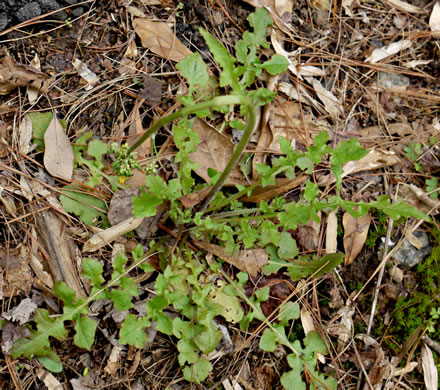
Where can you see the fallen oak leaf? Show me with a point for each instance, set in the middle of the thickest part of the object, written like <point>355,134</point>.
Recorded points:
<point>355,234</point>
<point>246,260</point>
<point>160,39</point>
<point>58,152</point>
<point>214,151</point>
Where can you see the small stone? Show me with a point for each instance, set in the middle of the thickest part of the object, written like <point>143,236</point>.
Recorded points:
<point>396,274</point>
<point>29,11</point>
<point>408,256</point>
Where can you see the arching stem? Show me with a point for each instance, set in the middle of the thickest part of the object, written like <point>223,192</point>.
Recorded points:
<point>218,101</point>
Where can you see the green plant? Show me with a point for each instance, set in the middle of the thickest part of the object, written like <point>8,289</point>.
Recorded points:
<point>184,283</point>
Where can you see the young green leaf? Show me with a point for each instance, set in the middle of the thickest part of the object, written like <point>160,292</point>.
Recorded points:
<point>85,205</point>
<point>398,209</point>
<point>92,270</point>
<point>276,65</point>
<point>198,372</point>
<point>51,362</point>
<point>288,311</point>
<point>193,68</point>
<point>37,344</point>
<point>145,204</point>
<point>85,329</point>
<point>302,269</point>
<point>224,59</point>
<point>287,246</point>
<point>268,341</point>
<point>132,331</point>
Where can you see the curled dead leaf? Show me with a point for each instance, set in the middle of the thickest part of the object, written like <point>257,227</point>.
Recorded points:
<point>355,234</point>
<point>250,260</point>
<point>13,75</point>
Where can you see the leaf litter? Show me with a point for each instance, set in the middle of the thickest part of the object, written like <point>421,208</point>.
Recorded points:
<point>332,89</point>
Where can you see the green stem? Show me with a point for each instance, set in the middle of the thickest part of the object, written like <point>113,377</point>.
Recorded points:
<point>185,111</point>
<point>215,102</point>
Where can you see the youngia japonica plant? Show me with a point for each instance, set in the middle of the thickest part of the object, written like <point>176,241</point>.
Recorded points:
<point>185,283</point>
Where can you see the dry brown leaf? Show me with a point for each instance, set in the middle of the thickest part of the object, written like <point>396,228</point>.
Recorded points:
<point>429,368</point>
<point>308,235</point>
<point>269,192</point>
<point>13,75</point>
<point>82,69</point>
<point>113,363</point>
<point>387,51</point>
<point>36,262</point>
<point>60,248</point>
<point>331,237</point>
<point>355,234</point>
<point>194,198</point>
<point>49,380</point>
<point>21,313</point>
<point>4,136</point>
<point>284,8</point>
<point>136,128</point>
<point>214,151</point>
<point>375,159</point>
<point>25,134</point>
<point>405,7</point>
<point>330,101</point>
<point>434,19</point>
<point>58,152</point>
<point>160,39</point>
<point>250,260</point>
<point>14,269</point>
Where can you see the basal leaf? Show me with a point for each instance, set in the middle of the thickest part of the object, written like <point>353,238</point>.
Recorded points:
<point>92,269</point>
<point>121,299</point>
<point>398,209</point>
<point>224,59</point>
<point>276,65</point>
<point>208,339</point>
<point>86,206</point>
<point>268,341</point>
<point>198,372</point>
<point>287,246</point>
<point>132,331</point>
<point>302,269</point>
<point>51,362</point>
<point>193,68</point>
<point>85,329</point>
<point>189,352</point>
<point>145,204</point>
<point>38,342</point>
<point>292,380</point>
<point>288,311</point>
